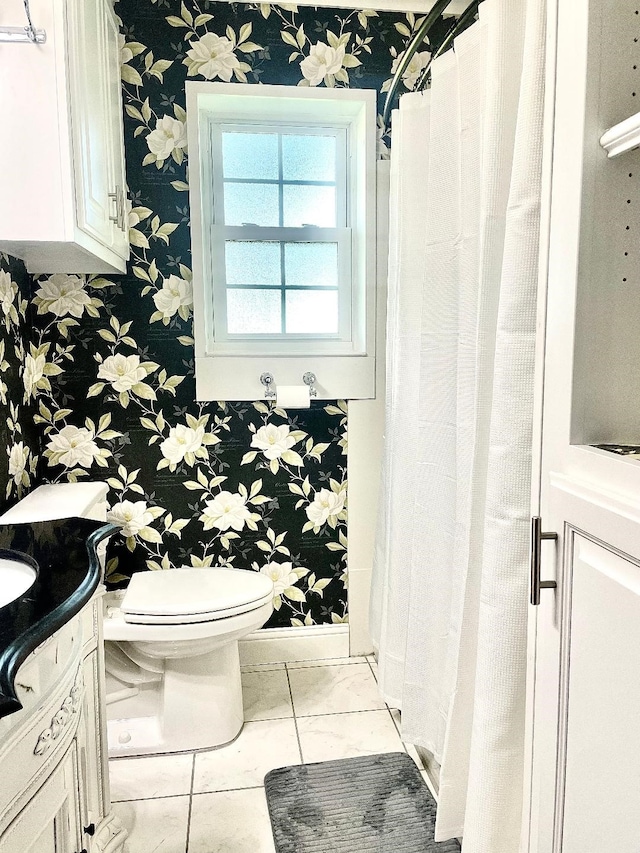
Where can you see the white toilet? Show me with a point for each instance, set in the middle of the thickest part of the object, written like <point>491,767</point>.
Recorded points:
<point>173,669</point>
<point>171,650</point>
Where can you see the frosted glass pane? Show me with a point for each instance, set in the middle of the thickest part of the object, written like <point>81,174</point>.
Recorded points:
<point>311,264</point>
<point>252,262</point>
<point>250,155</point>
<point>256,203</point>
<point>253,312</point>
<point>312,311</point>
<point>308,158</point>
<point>305,205</point>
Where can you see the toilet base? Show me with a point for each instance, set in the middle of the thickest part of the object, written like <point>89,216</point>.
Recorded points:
<point>196,705</point>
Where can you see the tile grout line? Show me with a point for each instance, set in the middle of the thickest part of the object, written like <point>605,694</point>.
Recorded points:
<point>193,774</point>
<point>322,714</point>
<point>295,719</point>
<point>373,673</point>
<point>150,799</point>
<point>228,790</point>
<point>393,720</point>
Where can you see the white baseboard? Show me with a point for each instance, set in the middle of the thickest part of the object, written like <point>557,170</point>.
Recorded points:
<point>285,645</point>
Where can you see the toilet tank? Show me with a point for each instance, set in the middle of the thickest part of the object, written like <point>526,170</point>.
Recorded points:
<point>60,500</point>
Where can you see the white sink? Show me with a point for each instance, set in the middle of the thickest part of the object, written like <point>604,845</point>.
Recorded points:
<point>16,577</point>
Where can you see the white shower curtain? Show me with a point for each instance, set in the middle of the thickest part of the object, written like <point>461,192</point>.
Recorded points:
<point>449,597</point>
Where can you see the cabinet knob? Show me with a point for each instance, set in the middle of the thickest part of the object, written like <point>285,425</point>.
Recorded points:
<point>91,829</point>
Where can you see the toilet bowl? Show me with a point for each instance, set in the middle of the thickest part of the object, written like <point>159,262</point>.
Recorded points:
<point>171,640</point>
<point>174,684</point>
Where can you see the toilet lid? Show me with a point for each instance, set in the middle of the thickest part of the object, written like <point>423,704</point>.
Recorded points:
<point>193,595</point>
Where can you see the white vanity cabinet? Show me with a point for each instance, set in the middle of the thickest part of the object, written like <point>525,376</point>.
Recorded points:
<point>62,181</point>
<point>54,796</point>
<point>49,823</point>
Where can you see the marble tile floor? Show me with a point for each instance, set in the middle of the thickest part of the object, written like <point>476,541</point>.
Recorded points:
<point>214,801</point>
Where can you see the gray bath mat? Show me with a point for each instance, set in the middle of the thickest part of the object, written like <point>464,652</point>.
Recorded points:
<point>372,804</point>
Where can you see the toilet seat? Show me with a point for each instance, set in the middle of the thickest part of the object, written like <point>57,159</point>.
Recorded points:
<point>186,595</point>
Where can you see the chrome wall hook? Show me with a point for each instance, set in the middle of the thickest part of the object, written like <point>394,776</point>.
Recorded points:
<point>310,379</point>
<point>269,384</point>
<point>20,35</point>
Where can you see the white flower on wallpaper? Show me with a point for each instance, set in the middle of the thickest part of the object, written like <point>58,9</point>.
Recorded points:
<point>135,519</point>
<point>169,139</point>
<point>228,511</point>
<point>18,461</point>
<point>276,442</point>
<point>62,295</point>
<point>174,297</point>
<point>8,293</point>
<point>132,516</point>
<point>33,374</point>
<point>282,575</point>
<point>183,443</point>
<point>326,507</point>
<point>4,366</point>
<point>122,372</point>
<point>73,446</point>
<point>213,56</point>
<point>414,69</point>
<point>321,62</point>
<point>37,370</point>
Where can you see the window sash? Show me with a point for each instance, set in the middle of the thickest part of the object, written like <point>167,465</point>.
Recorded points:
<point>292,129</point>
<point>340,236</point>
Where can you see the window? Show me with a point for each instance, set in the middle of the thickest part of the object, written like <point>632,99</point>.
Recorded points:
<point>282,187</point>
<point>281,238</point>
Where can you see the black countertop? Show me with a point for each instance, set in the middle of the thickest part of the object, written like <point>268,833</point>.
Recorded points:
<point>68,574</point>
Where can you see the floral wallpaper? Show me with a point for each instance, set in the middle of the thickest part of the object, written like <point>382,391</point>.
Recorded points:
<point>108,366</point>
<point>18,466</point>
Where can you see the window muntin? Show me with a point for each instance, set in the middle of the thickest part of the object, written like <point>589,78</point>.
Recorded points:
<point>280,239</point>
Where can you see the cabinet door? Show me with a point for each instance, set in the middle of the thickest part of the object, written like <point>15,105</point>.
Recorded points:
<point>586,734</point>
<point>91,749</point>
<point>99,208</point>
<point>115,126</point>
<point>49,824</point>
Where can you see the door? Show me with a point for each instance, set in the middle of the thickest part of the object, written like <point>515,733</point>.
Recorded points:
<point>96,120</point>
<point>115,128</point>
<point>92,749</point>
<point>586,767</point>
<point>50,822</point>
<point>585,635</point>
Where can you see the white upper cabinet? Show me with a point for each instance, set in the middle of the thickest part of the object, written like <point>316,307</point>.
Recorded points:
<point>62,176</point>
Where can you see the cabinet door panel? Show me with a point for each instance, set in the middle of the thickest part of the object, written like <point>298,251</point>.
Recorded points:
<point>115,126</point>
<point>602,775</point>
<point>91,134</point>
<point>91,748</point>
<point>586,756</point>
<point>49,824</point>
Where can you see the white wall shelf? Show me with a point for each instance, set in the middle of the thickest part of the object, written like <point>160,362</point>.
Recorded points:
<point>622,137</point>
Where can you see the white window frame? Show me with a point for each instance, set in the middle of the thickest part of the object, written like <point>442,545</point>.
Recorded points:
<point>228,367</point>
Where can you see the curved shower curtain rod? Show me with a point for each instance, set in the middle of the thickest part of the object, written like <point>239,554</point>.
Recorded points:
<point>421,33</point>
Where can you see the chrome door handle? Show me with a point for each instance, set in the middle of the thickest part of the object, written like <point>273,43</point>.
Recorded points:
<point>123,209</point>
<point>537,537</point>
<point>120,217</point>
<point>115,197</point>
